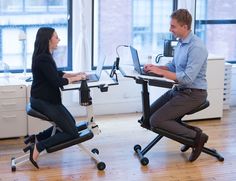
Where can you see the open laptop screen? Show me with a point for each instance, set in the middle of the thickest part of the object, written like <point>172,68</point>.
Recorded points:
<point>135,59</point>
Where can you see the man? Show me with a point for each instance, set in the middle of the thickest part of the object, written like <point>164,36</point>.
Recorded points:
<point>188,69</point>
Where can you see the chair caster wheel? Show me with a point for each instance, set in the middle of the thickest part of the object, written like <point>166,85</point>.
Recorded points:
<point>221,159</point>
<point>137,147</point>
<point>144,161</point>
<point>101,166</point>
<point>13,168</point>
<point>13,165</point>
<point>184,148</point>
<point>95,150</point>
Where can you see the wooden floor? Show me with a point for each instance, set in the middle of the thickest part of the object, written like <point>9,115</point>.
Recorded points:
<point>119,135</point>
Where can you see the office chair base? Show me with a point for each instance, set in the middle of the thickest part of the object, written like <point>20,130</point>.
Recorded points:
<point>94,154</point>
<point>84,135</point>
<point>144,160</point>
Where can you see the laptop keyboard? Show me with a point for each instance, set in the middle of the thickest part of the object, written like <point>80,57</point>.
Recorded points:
<point>91,77</point>
<point>150,74</point>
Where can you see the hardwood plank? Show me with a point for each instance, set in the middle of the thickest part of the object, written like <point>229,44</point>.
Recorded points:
<point>119,135</point>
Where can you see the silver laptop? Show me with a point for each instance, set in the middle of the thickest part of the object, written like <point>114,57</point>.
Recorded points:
<point>94,76</point>
<point>137,65</point>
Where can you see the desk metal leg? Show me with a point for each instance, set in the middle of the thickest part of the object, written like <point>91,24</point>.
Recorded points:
<point>146,104</point>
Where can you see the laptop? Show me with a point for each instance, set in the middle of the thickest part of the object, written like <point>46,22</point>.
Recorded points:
<point>137,65</point>
<point>94,76</point>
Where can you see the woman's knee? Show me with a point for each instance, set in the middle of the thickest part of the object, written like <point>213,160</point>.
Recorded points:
<point>74,134</point>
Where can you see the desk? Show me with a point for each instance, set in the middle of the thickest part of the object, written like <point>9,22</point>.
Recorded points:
<point>104,82</point>
<point>129,72</point>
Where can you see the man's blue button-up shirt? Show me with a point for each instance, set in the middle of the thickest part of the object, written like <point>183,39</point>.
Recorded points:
<point>190,63</point>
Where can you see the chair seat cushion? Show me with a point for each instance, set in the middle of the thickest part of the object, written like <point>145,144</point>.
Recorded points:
<point>32,112</point>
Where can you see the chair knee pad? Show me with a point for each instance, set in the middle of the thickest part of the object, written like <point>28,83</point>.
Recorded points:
<point>180,139</point>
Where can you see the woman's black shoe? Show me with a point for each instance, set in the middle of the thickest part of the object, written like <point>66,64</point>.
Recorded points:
<point>26,149</point>
<point>31,148</point>
<point>31,139</point>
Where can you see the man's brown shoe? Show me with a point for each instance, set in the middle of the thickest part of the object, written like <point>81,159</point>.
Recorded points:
<point>184,148</point>
<point>198,132</point>
<point>197,149</point>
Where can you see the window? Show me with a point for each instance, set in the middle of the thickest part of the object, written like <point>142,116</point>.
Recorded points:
<point>143,24</point>
<point>216,24</point>
<point>20,20</point>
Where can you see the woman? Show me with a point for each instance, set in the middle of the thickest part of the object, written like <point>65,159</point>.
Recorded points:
<point>46,96</point>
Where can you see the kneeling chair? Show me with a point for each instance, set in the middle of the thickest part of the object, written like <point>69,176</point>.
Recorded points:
<point>188,143</point>
<point>84,134</point>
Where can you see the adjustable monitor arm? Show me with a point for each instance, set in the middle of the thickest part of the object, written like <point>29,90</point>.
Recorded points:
<point>114,68</point>
<point>116,63</point>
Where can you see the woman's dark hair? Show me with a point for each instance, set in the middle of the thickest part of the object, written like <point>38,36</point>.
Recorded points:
<point>183,17</point>
<point>41,44</point>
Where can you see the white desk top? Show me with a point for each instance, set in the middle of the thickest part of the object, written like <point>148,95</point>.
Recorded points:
<point>19,79</point>
<point>104,81</point>
<point>128,71</point>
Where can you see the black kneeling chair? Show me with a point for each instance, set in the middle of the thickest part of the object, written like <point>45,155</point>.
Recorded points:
<point>84,135</point>
<point>188,143</point>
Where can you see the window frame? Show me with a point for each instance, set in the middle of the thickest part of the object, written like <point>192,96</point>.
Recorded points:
<point>199,22</point>
<point>174,5</point>
<point>69,39</point>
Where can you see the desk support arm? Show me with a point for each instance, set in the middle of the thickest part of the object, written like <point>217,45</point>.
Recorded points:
<point>146,105</point>
<point>91,123</point>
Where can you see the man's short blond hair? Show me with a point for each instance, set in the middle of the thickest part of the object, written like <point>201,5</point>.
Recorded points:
<point>183,17</point>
